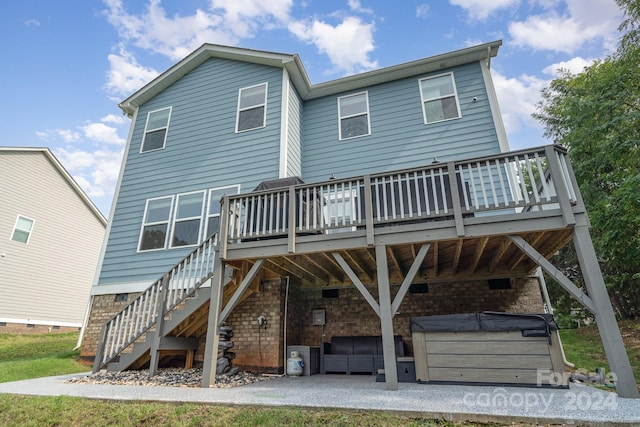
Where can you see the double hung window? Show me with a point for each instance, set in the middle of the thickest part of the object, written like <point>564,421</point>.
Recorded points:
<point>353,111</point>
<point>439,98</point>
<point>252,108</point>
<point>22,229</point>
<point>155,225</point>
<point>187,220</point>
<point>155,131</point>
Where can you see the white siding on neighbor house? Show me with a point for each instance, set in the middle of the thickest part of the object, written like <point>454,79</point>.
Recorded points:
<point>202,151</point>
<point>49,278</point>
<point>294,155</point>
<point>399,137</point>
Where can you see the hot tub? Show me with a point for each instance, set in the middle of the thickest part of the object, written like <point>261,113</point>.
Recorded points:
<point>488,348</point>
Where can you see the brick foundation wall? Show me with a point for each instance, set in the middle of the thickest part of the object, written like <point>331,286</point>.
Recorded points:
<point>350,314</point>
<point>103,308</point>
<point>31,329</point>
<point>261,349</point>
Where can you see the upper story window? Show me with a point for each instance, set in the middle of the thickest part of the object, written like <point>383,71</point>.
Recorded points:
<point>213,209</point>
<point>22,229</point>
<point>353,111</point>
<point>252,108</point>
<point>439,98</point>
<point>155,131</point>
<point>187,221</point>
<point>155,225</point>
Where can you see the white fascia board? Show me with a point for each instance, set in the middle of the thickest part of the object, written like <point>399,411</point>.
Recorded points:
<point>40,322</point>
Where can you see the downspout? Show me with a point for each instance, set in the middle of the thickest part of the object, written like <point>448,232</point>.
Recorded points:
<point>84,323</point>
<point>284,333</point>
<point>547,300</point>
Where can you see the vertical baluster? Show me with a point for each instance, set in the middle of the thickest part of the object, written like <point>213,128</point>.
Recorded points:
<point>543,179</point>
<point>492,184</point>
<point>343,203</point>
<point>436,202</point>
<point>474,190</point>
<point>115,331</point>
<point>392,197</point>
<point>378,200</point>
<point>410,193</point>
<point>521,179</point>
<point>300,209</point>
<point>501,180</point>
<point>562,158</point>
<point>385,200</point>
<point>482,186</point>
<point>400,197</point>
<point>352,201</point>
<point>444,190</point>
<point>465,193</point>
<point>534,186</point>
<point>131,320</point>
<point>427,205</point>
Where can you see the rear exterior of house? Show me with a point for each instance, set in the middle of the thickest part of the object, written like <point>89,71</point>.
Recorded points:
<point>375,236</point>
<point>51,235</point>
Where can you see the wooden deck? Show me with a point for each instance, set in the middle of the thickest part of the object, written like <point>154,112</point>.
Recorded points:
<point>529,193</point>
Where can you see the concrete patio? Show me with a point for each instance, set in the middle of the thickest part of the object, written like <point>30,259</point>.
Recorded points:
<point>578,405</point>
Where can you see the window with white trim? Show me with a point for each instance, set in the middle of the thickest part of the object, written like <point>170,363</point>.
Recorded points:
<point>155,226</point>
<point>252,108</point>
<point>187,220</point>
<point>353,113</point>
<point>213,208</point>
<point>155,131</point>
<point>439,98</point>
<point>22,229</point>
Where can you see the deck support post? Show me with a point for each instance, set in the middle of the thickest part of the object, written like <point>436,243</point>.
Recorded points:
<point>386,319</point>
<point>605,317</point>
<point>213,335</point>
<point>157,334</point>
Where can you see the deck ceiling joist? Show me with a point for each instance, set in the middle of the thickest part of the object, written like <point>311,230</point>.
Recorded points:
<point>463,259</point>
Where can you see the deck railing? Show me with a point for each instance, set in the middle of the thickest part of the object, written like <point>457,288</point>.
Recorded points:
<point>527,180</point>
<point>163,296</point>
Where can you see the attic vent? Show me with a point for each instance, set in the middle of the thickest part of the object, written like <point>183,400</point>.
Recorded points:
<point>3,323</point>
<point>330,293</point>
<point>419,288</point>
<point>495,284</point>
<point>121,297</point>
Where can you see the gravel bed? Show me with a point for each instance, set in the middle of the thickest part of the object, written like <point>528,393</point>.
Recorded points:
<point>174,377</point>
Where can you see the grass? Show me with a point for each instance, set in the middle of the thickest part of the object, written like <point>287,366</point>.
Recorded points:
<point>583,347</point>
<point>33,356</point>
<point>72,412</point>
<point>29,356</point>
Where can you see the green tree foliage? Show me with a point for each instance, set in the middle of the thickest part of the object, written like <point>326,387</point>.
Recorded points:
<point>596,114</point>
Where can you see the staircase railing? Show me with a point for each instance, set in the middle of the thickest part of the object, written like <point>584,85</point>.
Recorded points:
<point>142,313</point>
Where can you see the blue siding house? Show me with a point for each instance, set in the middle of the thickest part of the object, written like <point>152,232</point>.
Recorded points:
<point>250,197</point>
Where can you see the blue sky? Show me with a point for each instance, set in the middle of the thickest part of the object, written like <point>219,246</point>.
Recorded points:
<point>68,63</point>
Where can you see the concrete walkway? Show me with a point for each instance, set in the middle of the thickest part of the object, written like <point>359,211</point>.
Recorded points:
<point>578,405</point>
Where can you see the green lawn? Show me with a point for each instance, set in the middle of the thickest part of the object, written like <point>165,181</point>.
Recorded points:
<point>584,348</point>
<point>32,356</point>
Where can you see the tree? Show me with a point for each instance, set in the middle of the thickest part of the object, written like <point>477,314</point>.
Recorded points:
<point>596,115</point>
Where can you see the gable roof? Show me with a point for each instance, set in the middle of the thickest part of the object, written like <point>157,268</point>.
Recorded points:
<point>295,68</point>
<point>57,165</point>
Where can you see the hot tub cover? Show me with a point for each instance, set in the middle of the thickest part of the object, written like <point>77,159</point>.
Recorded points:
<point>485,321</point>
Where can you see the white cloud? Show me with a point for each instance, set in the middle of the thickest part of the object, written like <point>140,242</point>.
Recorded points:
<point>112,118</point>
<point>355,6</point>
<point>347,44</point>
<point>32,23</point>
<point>96,172</point>
<point>100,132</point>
<point>518,98</point>
<point>585,21</point>
<point>126,75</point>
<point>422,10</point>
<point>481,9</point>
<point>67,135</point>
<point>574,66</point>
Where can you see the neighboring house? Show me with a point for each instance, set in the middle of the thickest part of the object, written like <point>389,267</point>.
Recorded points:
<point>375,236</point>
<point>50,239</point>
